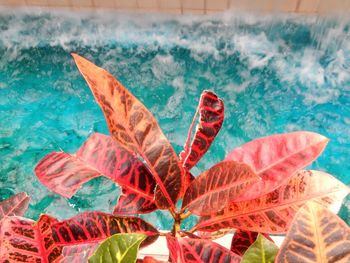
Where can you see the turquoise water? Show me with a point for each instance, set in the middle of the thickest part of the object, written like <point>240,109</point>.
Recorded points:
<point>275,74</point>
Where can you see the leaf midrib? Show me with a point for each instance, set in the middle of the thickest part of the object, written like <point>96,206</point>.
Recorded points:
<point>289,156</point>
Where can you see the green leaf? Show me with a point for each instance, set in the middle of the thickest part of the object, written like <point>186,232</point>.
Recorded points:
<point>121,248</point>
<point>262,250</point>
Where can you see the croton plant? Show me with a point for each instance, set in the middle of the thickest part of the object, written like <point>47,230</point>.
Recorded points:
<point>259,189</point>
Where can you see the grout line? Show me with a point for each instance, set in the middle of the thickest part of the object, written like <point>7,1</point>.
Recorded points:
<point>317,11</point>
<point>297,6</point>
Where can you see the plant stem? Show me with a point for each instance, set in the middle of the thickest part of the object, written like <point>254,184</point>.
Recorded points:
<point>185,215</point>
<point>173,213</point>
<point>176,226</point>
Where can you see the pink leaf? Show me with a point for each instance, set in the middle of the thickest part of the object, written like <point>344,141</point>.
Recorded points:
<point>199,251</point>
<point>275,158</point>
<point>78,253</point>
<point>100,155</point>
<point>217,187</point>
<point>24,240</point>
<point>15,205</point>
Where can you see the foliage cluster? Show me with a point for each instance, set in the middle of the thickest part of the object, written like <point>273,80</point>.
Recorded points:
<point>259,189</point>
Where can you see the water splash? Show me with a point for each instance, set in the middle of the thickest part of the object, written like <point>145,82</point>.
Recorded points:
<point>275,73</point>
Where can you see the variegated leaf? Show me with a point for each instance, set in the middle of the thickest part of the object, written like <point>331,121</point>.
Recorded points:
<point>316,236</point>
<point>272,213</point>
<point>24,240</point>
<point>100,155</point>
<point>133,126</point>
<point>199,251</point>
<point>78,253</point>
<point>15,205</point>
<point>217,187</point>
<point>211,111</point>
<point>92,227</point>
<point>275,158</point>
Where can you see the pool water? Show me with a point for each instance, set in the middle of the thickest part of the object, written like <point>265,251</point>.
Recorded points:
<point>275,74</point>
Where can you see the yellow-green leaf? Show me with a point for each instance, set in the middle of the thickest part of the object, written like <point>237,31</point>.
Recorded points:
<point>121,248</point>
<point>262,250</point>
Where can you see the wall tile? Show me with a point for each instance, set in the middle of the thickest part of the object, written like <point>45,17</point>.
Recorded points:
<point>148,4</point>
<point>12,2</point>
<point>252,5</point>
<point>193,4</point>
<point>170,4</point>
<point>285,5</point>
<point>60,3</point>
<point>81,3</point>
<point>216,4</point>
<point>104,3</point>
<point>127,4</point>
<point>37,2</point>
<point>334,6</point>
<point>308,6</point>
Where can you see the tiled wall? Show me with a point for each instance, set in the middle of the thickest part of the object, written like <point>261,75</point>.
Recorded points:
<point>195,6</point>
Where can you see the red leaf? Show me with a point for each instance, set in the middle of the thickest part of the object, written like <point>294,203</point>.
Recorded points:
<point>199,250</point>
<point>23,240</point>
<point>218,187</point>
<point>133,126</point>
<point>100,155</point>
<point>242,240</point>
<point>78,253</point>
<point>15,205</point>
<point>273,212</point>
<point>316,235</point>
<point>131,202</point>
<point>275,158</point>
<point>211,110</point>
<point>91,227</point>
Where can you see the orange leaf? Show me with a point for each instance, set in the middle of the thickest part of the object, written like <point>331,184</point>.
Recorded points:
<point>273,213</point>
<point>275,158</point>
<point>133,126</point>
<point>217,187</point>
<point>316,235</point>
